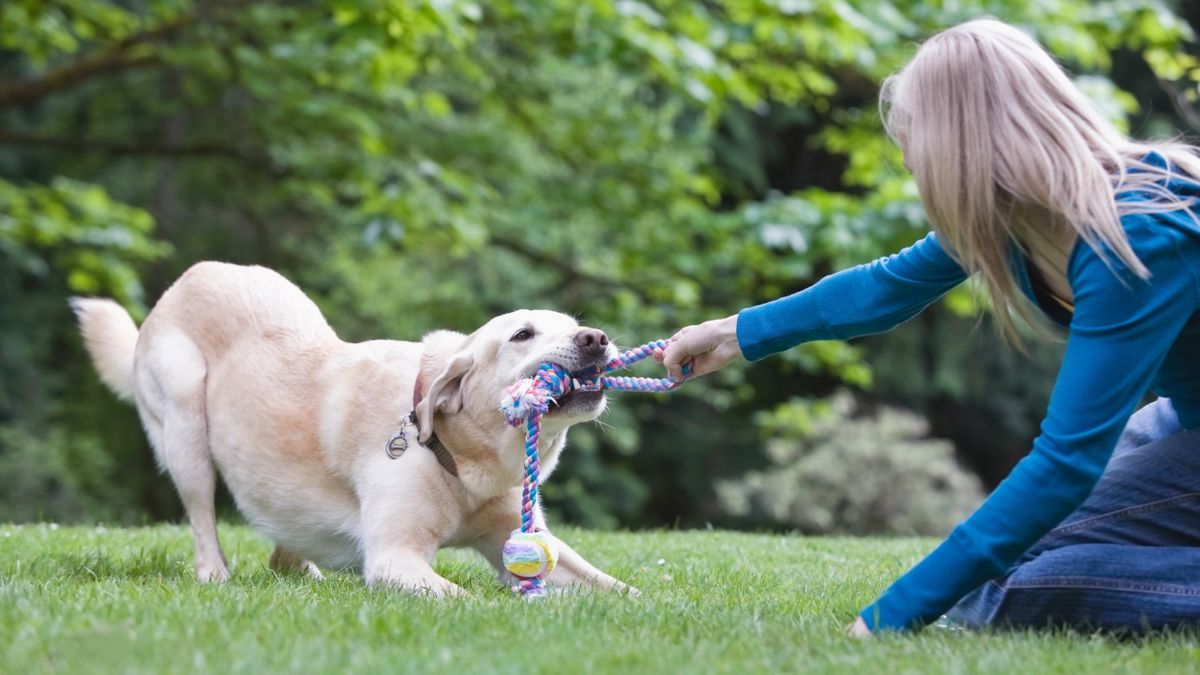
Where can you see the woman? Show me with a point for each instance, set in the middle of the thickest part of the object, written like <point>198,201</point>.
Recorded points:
<point>1028,187</point>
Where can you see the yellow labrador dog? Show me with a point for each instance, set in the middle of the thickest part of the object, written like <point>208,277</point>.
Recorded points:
<point>235,370</point>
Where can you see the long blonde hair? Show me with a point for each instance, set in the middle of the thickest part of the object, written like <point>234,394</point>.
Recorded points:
<point>1006,150</point>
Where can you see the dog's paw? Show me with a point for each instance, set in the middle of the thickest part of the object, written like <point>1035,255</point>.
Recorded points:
<point>312,571</point>
<point>210,573</point>
<point>456,591</point>
<point>431,586</point>
<point>446,590</point>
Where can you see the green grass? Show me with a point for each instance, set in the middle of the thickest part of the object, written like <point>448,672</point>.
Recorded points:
<point>97,600</point>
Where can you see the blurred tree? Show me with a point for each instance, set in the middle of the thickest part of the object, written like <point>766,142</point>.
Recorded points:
<point>428,164</point>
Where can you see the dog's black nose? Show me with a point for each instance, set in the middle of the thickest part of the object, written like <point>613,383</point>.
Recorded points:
<point>591,340</point>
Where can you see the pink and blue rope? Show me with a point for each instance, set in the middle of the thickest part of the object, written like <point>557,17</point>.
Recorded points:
<point>628,358</point>
<point>528,400</point>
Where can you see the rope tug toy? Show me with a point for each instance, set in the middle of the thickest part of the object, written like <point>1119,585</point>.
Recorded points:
<point>529,553</point>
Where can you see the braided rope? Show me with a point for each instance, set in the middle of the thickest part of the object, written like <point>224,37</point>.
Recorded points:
<point>529,552</point>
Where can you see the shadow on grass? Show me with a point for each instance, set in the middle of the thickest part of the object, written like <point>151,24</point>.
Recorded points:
<point>164,564</point>
<point>95,565</point>
<point>1182,631</point>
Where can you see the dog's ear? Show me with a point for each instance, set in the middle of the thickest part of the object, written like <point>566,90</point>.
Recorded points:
<point>445,392</point>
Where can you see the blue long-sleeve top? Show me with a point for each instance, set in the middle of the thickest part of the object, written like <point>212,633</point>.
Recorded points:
<point>1126,335</point>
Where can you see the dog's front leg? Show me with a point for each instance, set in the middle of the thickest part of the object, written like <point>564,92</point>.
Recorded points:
<point>574,570</point>
<point>407,511</point>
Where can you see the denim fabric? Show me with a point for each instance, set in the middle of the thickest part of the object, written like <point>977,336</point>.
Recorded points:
<point>1128,560</point>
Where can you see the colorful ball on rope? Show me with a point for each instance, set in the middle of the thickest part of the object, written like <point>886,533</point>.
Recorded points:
<point>530,555</point>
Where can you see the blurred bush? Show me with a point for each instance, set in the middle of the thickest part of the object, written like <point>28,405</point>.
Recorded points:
<point>58,476</point>
<point>837,466</point>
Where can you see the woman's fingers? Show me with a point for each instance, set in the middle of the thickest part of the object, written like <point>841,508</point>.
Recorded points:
<point>660,353</point>
<point>694,345</point>
<point>674,356</point>
<point>707,347</point>
<point>858,629</point>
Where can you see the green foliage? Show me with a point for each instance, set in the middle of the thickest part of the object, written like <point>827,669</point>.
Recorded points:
<point>78,230</point>
<point>57,477</point>
<point>416,165</point>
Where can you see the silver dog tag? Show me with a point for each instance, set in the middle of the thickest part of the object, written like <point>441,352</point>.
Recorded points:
<point>398,443</point>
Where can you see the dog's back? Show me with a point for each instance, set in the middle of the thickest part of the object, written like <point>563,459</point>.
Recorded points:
<point>216,304</point>
<point>213,304</point>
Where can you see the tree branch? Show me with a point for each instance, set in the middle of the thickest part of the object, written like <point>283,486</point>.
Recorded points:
<point>570,271</point>
<point>121,56</point>
<point>139,148</point>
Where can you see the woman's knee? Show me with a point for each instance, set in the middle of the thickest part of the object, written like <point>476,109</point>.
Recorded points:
<point>1096,586</point>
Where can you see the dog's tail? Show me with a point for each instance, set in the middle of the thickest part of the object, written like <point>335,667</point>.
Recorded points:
<point>110,336</point>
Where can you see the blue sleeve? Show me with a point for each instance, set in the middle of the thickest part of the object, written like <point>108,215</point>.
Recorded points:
<point>1122,329</point>
<point>863,300</point>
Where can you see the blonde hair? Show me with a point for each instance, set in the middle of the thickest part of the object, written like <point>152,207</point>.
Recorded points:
<point>1006,150</point>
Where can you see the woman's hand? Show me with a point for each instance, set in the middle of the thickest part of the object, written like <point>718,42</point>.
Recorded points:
<point>709,346</point>
<point>858,629</point>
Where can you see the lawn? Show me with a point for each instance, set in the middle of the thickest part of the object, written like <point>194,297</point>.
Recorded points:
<point>99,600</point>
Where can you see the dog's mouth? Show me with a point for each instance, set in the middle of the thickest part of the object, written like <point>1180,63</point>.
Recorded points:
<point>577,402</point>
<point>584,396</point>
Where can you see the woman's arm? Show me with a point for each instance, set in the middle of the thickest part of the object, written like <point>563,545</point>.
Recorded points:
<point>870,298</point>
<point>863,300</point>
<point>1120,334</point>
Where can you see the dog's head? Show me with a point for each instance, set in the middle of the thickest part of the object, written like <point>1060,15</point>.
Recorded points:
<point>470,373</point>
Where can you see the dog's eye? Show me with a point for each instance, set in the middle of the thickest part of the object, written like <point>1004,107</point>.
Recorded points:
<point>521,335</point>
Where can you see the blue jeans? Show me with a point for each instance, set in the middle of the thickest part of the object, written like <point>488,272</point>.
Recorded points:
<point>1128,560</point>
